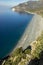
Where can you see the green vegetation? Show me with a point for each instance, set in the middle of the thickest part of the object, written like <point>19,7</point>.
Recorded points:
<point>27,51</point>
<point>38,47</point>
<point>21,57</point>
<point>17,52</point>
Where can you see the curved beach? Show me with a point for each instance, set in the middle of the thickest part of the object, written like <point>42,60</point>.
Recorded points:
<point>32,31</point>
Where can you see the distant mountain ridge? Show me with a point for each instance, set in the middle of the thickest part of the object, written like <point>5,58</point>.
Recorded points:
<point>30,5</point>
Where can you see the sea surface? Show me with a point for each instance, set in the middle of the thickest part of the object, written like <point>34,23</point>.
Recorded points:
<point>12,27</point>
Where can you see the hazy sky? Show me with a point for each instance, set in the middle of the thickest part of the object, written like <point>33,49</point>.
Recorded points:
<point>11,2</point>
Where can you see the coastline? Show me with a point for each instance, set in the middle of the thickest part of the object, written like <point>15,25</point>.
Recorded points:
<point>37,31</point>
<point>29,12</point>
<point>35,21</point>
<point>35,28</point>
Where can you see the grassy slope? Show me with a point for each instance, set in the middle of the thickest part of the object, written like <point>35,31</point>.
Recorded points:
<point>22,57</point>
<point>38,11</point>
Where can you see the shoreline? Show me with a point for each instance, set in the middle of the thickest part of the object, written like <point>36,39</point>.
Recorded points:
<point>23,44</point>
<point>30,12</point>
<point>34,23</point>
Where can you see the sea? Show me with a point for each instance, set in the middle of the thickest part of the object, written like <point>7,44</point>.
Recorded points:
<point>12,27</point>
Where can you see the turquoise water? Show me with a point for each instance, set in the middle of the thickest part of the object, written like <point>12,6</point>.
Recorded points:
<point>12,27</point>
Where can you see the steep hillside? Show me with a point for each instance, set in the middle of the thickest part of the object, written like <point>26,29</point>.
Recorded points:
<point>32,55</point>
<point>32,31</point>
<point>32,6</point>
<point>30,47</point>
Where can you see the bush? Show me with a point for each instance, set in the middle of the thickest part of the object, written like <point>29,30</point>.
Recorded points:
<point>17,52</point>
<point>28,51</point>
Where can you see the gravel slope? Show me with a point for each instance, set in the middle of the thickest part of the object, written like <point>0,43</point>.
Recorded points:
<point>32,31</point>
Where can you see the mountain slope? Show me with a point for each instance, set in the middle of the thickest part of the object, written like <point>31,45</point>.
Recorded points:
<point>32,6</point>
<point>29,56</point>
<point>32,31</point>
